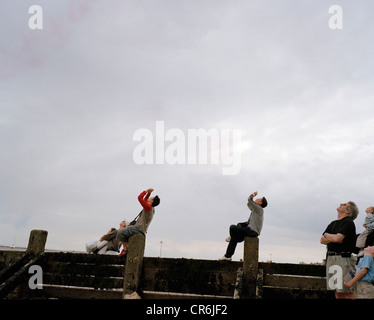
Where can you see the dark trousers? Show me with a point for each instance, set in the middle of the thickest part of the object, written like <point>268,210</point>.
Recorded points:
<point>237,235</point>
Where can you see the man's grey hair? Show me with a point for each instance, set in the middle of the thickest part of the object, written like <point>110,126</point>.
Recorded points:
<point>353,210</point>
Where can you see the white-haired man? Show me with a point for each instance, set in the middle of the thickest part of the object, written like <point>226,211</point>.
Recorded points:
<point>340,238</point>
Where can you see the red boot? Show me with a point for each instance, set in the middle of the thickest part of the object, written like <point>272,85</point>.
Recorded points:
<point>123,253</point>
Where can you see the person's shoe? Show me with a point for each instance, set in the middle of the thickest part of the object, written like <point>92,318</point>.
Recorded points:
<point>224,258</point>
<point>228,239</point>
<point>123,253</point>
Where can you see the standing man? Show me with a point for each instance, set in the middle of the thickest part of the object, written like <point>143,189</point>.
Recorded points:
<point>143,221</point>
<point>340,238</point>
<point>251,228</point>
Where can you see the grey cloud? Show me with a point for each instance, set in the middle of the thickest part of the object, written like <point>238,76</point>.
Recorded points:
<point>73,95</point>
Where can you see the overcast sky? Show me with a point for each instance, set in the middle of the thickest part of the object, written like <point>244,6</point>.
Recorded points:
<point>73,94</point>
